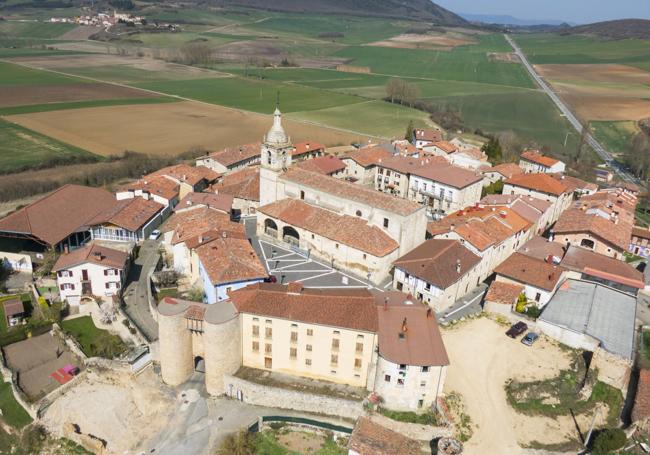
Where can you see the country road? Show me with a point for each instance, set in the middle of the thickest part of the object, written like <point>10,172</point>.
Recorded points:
<point>566,112</point>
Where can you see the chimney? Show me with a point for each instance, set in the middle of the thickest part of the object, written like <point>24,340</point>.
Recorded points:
<point>385,303</point>
<point>404,326</point>
<point>224,234</point>
<point>458,266</point>
<point>429,313</point>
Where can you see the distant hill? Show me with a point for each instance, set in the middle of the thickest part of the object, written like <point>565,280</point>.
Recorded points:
<point>509,20</point>
<point>424,10</point>
<point>619,29</point>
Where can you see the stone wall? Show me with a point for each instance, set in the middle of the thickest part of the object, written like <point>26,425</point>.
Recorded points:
<point>612,369</point>
<point>275,397</point>
<point>412,430</point>
<point>175,344</point>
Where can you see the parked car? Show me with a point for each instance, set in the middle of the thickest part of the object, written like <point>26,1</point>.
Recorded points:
<point>271,279</point>
<point>530,338</point>
<point>154,234</point>
<point>517,329</point>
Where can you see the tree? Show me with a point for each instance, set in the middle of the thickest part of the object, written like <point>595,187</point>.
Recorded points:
<point>608,441</point>
<point>196,53</point>
<point>492,188</point>
<point>583,141</point>
<point>195,294</point>
<point>409,131</point>
<point>492,149</point>
<point>237,444</point>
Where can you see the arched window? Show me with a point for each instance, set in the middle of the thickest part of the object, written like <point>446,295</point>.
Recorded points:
<point>268,157</point>
<point>359,213</point>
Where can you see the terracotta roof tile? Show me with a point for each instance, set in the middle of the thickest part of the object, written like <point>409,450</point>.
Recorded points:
<point>348,230</point>
<point>539,182</point>
<point>222,202</point>
<point>129,214</point>
<point>505,169</point>
<point>354,309</point>
<point>616,233</point>
<point>535,157</point>
<point>57,215</point>
<point>445,146</point>
<point>641,409</point>
<point>531,271</point>
<point>230,258</point>
<point>503,293</point>
<point>369,438</point>
<point>156,185</point>
<point>191,175</point>
<point>527,207</point>
<point>368,156</point>
<point>241,153</point>
<point>428,134</point>
<point>326,164</point>
<point>601,266</point>
<point>242,184</point>
<point>350,191</point>
<point>191,223</point>
<point>436,261</point>
<point>93,254</point>
<point>641,232</point>
<point>574,183</point>
<point>301,148</point>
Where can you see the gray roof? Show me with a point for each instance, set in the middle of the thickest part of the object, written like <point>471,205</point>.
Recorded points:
<point>598,311</point>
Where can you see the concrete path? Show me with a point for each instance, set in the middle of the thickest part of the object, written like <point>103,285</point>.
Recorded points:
<point>465,306</point>
<point>135,293</point>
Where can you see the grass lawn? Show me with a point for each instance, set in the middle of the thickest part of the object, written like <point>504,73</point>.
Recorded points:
<point>28,109</point>
<point>252,95</point>
<point>375,118</point>
<point>12,412</point>
<point>14,75</point>
<point>34,148</point>
<point>617,136</point>
<point>645,345</point>
<point>266,443</point>
<point>94,342</point>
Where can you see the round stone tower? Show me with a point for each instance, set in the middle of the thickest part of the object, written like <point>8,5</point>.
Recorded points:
<point>222,351</point>
<point>176,354</point>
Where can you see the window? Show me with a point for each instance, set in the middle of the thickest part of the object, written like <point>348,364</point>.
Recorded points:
<point>365,256</point>
<point>400,382</point>
<point>256,330</point>
<point>385,222</point>
<point>402,367</point>
<point>294,337</point>
<point>256,319</point>
<point>310,332</point>
<point>337,246</point>
<point>425,369</point>
<point>359,348</point>
<point>313,236</point>
<point>357,363</point>
<point>586,243</point>
<point>293,353</point>
<point>302,195</point>
<point>387,377</point>
<point>335,343</point>
<point>336,332</point>
<point>308,362</point>
<point>334,359</point>
<point>538,296</point>
<point>268,321</point>
<point>256,346</point>
<point>268,348</point>
<point>358,212</point>
<point>308,347</point>
<point>423,383</point>
<point>268,332</point>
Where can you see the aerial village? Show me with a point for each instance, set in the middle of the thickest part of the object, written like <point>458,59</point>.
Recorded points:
<point>370,289</point>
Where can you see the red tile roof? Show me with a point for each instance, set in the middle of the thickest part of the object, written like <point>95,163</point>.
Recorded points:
<point>347,230</point>
<point>503,293</point>
<point>222,202</point>
<point>445,146</point>
<point>305,147</point>
<point>354,309</point>
<point>602,266</point>
<point>241,153</point>
<point>191,175</point>
<point>369,438</point>
<point>230,258</point>
<point>350,191</point>
<point>191,223</point>
<point>368,156</point>
<point>242,184</point>
<point>93,254</point>
<point>505,169</point>
<point>531,271</point>
<point>434,168</point>
<point>326,164</point>
<point>616,233</point>
<point>58,214</point>
<point>420,342</point>
<point>543,183</point>
<point>527,207</point>
<point>574,183</point>
<point>129,214</point>
<point>436,261</point>
<point>641,233</point>
<point>641,409</point>
<point>158,185</point>
<point>428,134</point>
<point>535,157</point>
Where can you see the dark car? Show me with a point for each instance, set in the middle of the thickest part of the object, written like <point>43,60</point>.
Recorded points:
<point>530,338</point>
<point>517,329</point>
<point>270,279</point>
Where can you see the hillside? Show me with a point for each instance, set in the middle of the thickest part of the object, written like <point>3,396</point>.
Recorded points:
<point>620,29</point>
<point>413,9</point>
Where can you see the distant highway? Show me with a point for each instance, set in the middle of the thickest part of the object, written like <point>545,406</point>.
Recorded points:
<point>598,148</point>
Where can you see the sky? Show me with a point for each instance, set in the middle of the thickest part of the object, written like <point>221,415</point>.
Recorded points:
<point>578,11</point>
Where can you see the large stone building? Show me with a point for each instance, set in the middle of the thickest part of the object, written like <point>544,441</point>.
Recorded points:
<point>402,221</point>
<point>380,342</point>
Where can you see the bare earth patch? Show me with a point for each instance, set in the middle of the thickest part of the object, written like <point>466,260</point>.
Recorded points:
<point>595,73</point>
<point>166,129</point>
<point>414,41</point>
<point>483,358</point>
<point>610,108</point>
<point>301,442</point>
<point>507,57</point>
<point>41,94</point>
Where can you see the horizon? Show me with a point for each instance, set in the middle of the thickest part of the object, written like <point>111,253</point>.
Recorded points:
<point>576,11</point>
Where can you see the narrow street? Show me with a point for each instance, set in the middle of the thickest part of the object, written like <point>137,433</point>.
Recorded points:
<point>135,292</point>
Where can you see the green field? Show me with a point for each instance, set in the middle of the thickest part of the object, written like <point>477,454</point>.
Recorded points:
<point>31,108</point>
<point>616,136</point>
<point>94,342</point>
<point>34,29</point>
<point>15,75</point>
<point>12,412</point>
<point>21,148</point>
<point>552,48</point>
<point>252,95</point>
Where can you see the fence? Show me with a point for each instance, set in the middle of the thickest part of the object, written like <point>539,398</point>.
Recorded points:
<point>255,427</point>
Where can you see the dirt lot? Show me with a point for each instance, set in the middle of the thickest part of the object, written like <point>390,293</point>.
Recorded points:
<point>414,41</point>
<point>507,57</point>
<point>166,129</point>
<point>115,407</point>
<point>483,359</point>
<point>611,108</point>
<point>35,359</point>
<point>613,73</point>
<point>40,94</point>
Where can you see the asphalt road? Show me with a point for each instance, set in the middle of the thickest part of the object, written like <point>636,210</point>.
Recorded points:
<point>566,112</point>
<point>135,293</point>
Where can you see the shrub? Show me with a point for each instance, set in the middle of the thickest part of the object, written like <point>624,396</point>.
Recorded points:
<point>609,440</point>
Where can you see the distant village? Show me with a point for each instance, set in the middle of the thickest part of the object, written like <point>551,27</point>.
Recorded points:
<point>276,259</point>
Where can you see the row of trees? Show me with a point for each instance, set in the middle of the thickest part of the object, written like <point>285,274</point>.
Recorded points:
<point>402,92</point>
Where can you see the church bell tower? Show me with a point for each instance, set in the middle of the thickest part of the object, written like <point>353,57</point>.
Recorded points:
<point>275,158</point>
